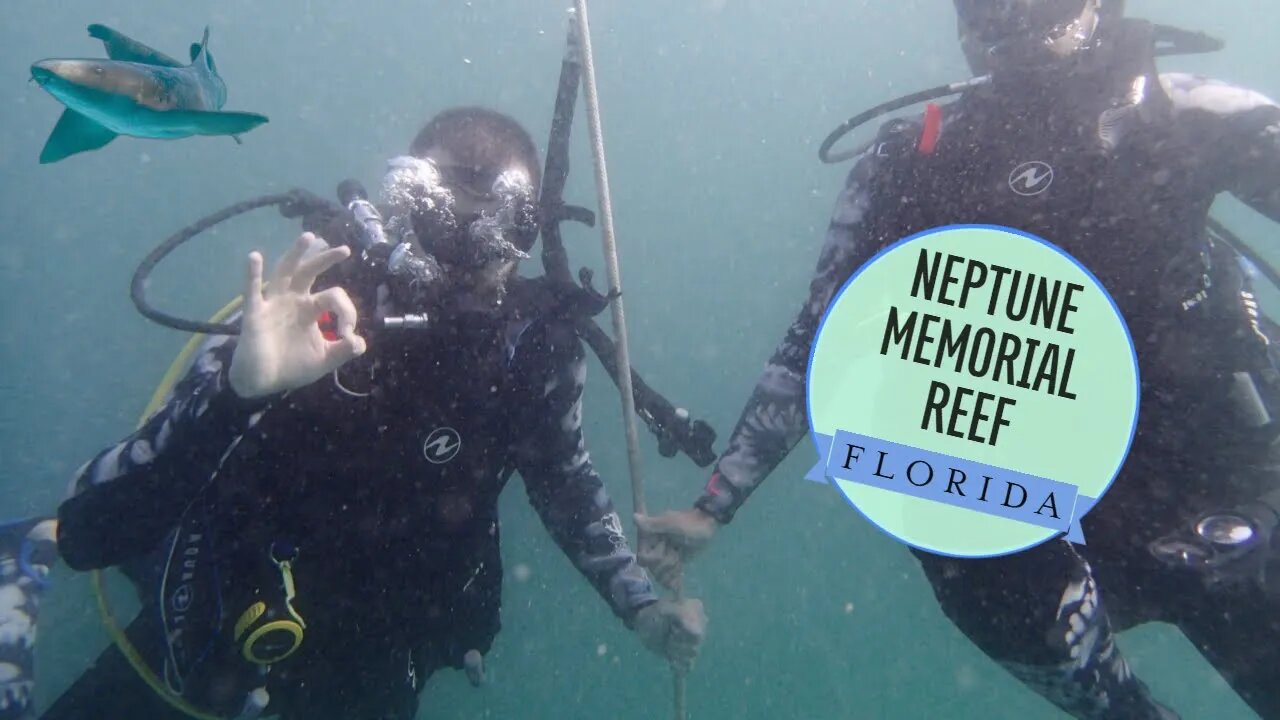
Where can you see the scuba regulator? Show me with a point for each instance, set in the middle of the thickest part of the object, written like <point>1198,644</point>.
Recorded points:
<point>412,279</point>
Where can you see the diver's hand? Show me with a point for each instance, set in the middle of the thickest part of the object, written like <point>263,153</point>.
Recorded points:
<point>281,347</point>
<point>669,540</point>
<point>673,630</point>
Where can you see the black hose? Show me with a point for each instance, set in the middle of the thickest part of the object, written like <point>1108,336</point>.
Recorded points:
<point>1168,40</point>
<point>292,204</point>
<point>674,433</point>
<point>555,261</point>
<point>824,152</point>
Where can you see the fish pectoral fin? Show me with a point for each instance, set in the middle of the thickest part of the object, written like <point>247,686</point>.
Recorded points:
<point>122,47</point>
<point>200,122</point>
<point>74,134</point>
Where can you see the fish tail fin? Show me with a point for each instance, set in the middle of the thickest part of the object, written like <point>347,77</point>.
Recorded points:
<point>74,134</point>
<point>100,31</point>
<point>201,48</point>
<point>200,55</point>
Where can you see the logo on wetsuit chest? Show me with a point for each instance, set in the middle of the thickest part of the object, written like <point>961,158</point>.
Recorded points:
<point>181,600</point>
<point>1031,178</point>
<point>441,445</point>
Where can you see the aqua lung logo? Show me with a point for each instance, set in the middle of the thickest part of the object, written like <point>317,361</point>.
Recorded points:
<point>181,600</point>
<point>1031,178</point>
<point>441,445</point>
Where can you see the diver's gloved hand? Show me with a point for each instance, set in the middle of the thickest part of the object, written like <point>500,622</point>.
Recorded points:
<point>281,347</point>
<point>669,540</point>
<point>673,629</point>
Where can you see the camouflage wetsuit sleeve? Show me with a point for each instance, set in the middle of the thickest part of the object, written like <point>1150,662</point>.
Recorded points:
<point>775,419</point>
<point>132,493</point>
<point>1239,129</point>
<point>568,494</point>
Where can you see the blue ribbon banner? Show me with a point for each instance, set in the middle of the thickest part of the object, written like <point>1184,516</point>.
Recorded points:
<point>952,481</point>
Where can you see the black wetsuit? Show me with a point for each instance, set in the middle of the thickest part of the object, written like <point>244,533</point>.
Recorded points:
<point>385,478</point>
<point>1131,185</point>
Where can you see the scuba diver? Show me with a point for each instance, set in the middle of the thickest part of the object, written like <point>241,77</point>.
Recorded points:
<point>310,519</point>
<point>1071,133</point>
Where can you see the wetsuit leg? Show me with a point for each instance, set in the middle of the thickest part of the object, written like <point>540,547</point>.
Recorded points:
<point>1039,613</point>
<point>112,689</point>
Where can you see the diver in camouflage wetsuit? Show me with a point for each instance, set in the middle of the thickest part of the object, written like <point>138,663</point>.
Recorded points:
<point>1137,158</point>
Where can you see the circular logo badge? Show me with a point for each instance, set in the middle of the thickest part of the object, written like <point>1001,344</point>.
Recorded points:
<point>1031,178</point>
<point>973,391</point>
<point>441,445</point>
<point>180,601</point>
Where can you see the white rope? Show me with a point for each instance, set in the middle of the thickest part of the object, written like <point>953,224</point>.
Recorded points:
<point>610,255</point>
<point>615,286</point>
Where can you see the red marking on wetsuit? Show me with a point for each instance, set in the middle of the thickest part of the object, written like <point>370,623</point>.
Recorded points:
<point>328,323</point>
<point>711,484</point>
<point>931,130</point>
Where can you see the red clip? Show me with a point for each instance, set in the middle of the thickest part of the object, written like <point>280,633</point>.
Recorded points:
<point>711,484</point>
<point>931,130</point>
<point>328,323</point>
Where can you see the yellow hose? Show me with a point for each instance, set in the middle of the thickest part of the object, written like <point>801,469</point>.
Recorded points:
<point>180,363</point>
<point>175,371</point>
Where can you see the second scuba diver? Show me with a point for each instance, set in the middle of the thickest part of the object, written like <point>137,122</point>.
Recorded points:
<point>1075,136</point>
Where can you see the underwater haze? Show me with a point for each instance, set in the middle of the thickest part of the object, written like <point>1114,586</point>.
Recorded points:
<point>712,113</point>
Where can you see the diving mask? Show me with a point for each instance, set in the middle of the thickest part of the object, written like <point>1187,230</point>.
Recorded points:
<point>1016,36</point>
<point>452,217</point>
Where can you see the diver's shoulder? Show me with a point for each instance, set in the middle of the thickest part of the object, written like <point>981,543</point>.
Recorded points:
<point>1193,92</point>
<point>542,303</point>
